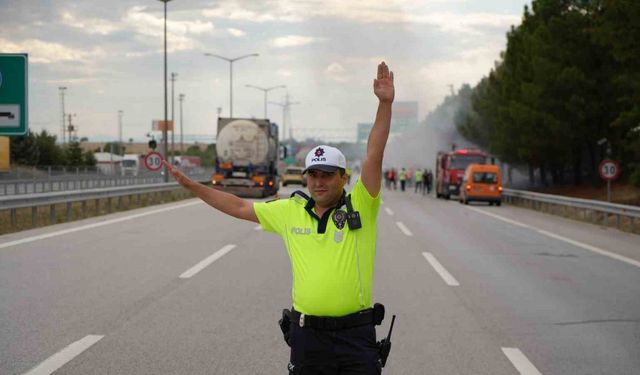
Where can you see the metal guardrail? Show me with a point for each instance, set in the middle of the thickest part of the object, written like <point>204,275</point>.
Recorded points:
<point>80,181</point>
<point>13,203</point>
<point>599,211</point>
<point>58,197</point>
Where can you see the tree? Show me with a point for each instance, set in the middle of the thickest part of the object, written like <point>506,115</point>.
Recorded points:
<point>24,149</point>
<point>49,153</point>
<point>74,155</point>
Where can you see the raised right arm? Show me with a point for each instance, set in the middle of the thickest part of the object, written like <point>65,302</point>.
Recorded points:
<point>225,202</point>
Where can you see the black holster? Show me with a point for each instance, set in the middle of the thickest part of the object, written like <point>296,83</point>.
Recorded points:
<point>285,325</point>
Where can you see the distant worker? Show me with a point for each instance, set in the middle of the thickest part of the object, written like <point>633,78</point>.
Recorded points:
<point>330,237</point>
<point>418,178</point>
<point>403,178</point>
<point>393,177</point>
<point>387,183</point>
<point>429,181</point>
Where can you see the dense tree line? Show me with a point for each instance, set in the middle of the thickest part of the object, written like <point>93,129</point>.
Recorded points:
<point>569,77</point>
<point>41,150</point>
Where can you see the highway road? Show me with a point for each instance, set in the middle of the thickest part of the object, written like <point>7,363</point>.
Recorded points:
<point>183,289</point>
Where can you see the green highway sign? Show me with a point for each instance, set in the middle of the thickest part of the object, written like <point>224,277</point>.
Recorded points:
<point>13,93</point>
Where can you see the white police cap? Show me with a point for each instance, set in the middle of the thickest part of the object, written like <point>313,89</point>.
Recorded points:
<point>325,158</point>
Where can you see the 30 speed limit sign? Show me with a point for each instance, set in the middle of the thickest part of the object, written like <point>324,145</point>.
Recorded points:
<point>609,169</point>
<point>153,161</point>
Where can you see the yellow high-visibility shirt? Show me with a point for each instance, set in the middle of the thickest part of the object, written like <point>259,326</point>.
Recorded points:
<point>332,268</point>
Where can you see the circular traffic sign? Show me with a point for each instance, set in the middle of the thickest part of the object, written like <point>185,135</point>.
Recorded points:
<point>153,161</point>
<point>609,169</point>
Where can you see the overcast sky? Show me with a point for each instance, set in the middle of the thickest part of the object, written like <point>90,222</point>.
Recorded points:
<point>109,56</point>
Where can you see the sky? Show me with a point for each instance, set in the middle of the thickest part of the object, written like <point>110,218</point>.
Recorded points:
<point>109,55</point>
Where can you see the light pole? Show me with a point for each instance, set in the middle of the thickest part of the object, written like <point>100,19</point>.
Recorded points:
<point>120,113</point>
<point>181,99</point>
<point>266,90</point>
<point>62,89</point>
<point>164,129</point>
<point>173,129</point>
<point>231,61</point>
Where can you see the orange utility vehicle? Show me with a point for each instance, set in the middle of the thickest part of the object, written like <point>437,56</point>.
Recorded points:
<point>481,183</point>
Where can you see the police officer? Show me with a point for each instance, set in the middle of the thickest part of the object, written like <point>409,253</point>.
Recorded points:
<point>331,240</point>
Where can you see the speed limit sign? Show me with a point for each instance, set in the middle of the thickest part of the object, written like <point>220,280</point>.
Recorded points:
<point>153,161</point>
<point>609,169</point>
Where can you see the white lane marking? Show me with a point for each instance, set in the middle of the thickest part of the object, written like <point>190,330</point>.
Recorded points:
<point>94,225</point>
<point>516,223</point>
<point>259,227</point>
<point>404,229</point>
<point>597,250</point>
<point>207,261</point>
<point>520,362</point>
<point>446,276</point>
<point>59,359</point>
<point>585,246</point>
<point>389,212</point>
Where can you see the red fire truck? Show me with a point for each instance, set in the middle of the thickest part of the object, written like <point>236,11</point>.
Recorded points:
<point>450,168</point>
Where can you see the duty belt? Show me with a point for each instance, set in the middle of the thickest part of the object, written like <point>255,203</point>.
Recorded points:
<point>361,318</point>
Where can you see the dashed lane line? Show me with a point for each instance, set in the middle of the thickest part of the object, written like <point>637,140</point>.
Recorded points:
<point>59,359</point>
<point>446,276</point>
<point>520,362</point>
<point>404,229</point>
<point>388,210</point>
<point>585,246</point>
<point>207,261</point>
<point>516,223</point>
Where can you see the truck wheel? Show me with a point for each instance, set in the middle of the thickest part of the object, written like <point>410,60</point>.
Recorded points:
<point>446,196</point>
<point>498,203</point>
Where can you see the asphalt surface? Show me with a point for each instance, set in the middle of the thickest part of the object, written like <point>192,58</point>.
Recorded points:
<point>517,293</point>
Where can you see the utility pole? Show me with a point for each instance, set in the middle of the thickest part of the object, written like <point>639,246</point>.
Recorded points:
<point>62,90</point>
<point>286,115</point>
<point>173,125</point>
<point>71,129</point>
<point>181,99</point>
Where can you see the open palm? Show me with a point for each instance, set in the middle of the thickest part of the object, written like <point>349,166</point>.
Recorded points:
<point>383,84</point>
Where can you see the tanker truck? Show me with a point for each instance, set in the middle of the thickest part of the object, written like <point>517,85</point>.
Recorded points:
<point>247,157</point>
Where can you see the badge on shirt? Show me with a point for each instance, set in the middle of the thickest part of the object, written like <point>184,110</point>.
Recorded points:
<point>339,218</point>
<point>337,236</point>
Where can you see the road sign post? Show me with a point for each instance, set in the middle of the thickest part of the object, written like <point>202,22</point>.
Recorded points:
<point>609,170</point>
<point>153,161</point>
<point>14,94</point>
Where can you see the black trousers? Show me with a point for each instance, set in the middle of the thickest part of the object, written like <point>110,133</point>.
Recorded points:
<point>351,351</point>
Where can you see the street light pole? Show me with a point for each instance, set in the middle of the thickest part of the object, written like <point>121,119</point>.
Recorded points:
<point>266,90</point>
<point>62,89</point>
<point>181,99</point>
<point>173,125</point>
<point>231,61</point>
<point>164,129</point>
